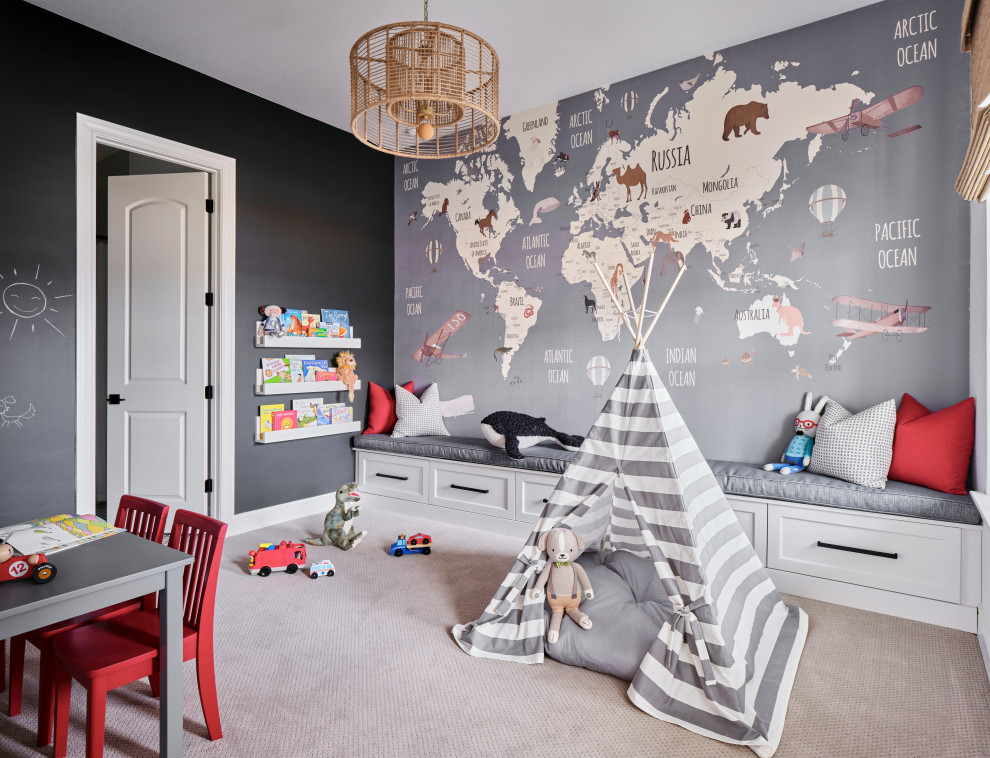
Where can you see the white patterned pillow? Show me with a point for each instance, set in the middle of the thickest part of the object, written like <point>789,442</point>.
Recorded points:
<point>418,417</point>
<point>856,448</point>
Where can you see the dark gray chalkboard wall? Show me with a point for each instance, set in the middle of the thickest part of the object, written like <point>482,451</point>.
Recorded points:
<point>313,229</point>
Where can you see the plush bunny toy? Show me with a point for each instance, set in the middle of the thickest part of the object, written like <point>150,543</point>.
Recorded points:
<point>564,580</point>
<point>798,453</point>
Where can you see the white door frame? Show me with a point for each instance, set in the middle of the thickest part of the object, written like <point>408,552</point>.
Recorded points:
<point>90,132</point>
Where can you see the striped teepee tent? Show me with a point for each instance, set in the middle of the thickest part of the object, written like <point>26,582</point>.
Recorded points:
<point>724,661</point>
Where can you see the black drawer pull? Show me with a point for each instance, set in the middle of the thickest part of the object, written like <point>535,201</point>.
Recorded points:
<point>864,551</point>
<point>546,500</point>
<point>469,489</point>
<point>393,476</point>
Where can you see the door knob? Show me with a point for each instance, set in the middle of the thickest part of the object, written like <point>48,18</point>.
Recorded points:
<point>115,399</point>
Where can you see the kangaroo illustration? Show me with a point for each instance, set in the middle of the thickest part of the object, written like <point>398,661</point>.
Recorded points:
<point>632,177</point>
<point>613,134</point>
<point>788,314</point>
<point>486,223</point>
<point>589,302</point>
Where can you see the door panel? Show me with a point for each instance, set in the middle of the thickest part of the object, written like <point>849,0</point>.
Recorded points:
<point>157,339</point>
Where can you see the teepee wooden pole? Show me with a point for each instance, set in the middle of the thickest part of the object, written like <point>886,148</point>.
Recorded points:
<point>642,306</point>
<point>664,303</point>
<point>625,280</point>
<point>615,302</point>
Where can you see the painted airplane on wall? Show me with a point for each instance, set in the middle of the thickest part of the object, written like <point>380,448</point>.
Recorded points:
<point>432,350</point>
<point>866,317</point>
<point>872,116</point>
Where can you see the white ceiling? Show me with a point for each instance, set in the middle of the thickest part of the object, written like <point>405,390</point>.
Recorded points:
<point>294,52</point>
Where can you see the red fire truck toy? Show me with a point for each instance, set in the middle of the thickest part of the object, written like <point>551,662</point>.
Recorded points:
<point>285,556</point>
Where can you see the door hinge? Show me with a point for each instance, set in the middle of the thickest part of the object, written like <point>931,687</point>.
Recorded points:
<point>209,299</point>
<point>209,392</point>
<point>209,205</point>
<point>208,486</point>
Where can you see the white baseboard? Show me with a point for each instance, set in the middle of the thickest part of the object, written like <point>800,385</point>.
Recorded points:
<point>277,514</point>
<point>489,524</point>
<point>951,615</point>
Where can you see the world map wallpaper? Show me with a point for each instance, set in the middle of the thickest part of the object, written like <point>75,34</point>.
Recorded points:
<point>805,180</point>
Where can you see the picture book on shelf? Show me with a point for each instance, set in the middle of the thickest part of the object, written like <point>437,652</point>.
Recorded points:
<point>305,410</point>
<point>343,415</point>
<point>322,416</point>
<point>266,412</point>
<point>310,322</point>
<point>326,376</point>
<point>275,370</point>
<point>292,321</point>
<point>296,365</point>
<point>336,322</point>
<point>311,368</point>
<point>282,420</point>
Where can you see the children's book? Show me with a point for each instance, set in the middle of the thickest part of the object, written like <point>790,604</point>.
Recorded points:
<point>292,321</point>
<point>306,410</point>
<point>312,368</point>
<point>320,332</point>
<point>296,365</point>
<point>266,412</point>
<point>342,415</point>
<point>275,370</point>
<point>322,415</point>
<point>310,322</point>
<point>56,533</point>
<point>284,420</point>
<point>336,322</point>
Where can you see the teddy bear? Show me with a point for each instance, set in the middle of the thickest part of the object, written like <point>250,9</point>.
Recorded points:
<point>798,453</point>
<point>272,324</point>
<point>565,581</point>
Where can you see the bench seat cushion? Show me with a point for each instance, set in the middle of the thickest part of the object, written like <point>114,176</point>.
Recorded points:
<point>898,499</point>
<point>546,457</point>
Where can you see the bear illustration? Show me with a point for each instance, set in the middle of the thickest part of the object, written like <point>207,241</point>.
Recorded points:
<point>744,115</point>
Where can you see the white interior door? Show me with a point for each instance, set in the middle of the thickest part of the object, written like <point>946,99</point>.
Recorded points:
<point>157,339</point>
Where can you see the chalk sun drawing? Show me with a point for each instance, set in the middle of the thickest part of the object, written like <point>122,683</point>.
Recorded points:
<point>26,300</point>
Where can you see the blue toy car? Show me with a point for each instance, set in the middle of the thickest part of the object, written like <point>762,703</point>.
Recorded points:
<point>418,543</point>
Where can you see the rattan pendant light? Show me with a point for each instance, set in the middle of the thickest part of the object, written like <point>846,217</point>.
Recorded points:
<point>421,89</point>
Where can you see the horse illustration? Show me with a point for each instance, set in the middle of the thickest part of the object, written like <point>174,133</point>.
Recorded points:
<point>632,177</point>
<point>486,223</point>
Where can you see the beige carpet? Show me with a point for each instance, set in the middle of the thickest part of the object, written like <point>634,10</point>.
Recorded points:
<point>363,664</point>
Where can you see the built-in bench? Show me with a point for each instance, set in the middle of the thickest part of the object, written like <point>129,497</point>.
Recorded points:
<point>905,550</point>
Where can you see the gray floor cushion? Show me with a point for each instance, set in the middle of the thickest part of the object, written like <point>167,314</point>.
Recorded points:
<point>628,609</point>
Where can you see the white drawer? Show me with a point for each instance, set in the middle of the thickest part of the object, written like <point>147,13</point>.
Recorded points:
<point>927,562</point>
<point>466,487</point>
<point>533,489</point>
<point>392,475</point>
<point>752,517</point>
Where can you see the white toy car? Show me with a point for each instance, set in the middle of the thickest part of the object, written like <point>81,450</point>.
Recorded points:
<point>320,568</point>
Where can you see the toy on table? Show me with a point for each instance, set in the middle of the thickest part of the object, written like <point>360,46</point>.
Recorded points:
<point>345,371</point>
<point>510,430</point>
<point>418,543</point>
<point>336,530</point>
<point>285,556</point>
<point>564,580</point>
<point>798,452</point>
<point>35,566</point>
<point>272,324</point>
<point>321,568</point>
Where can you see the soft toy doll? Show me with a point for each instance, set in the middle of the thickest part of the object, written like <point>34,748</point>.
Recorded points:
<point>798,453</point>
<point>511,431</point>
<point>564,580</point>
<point>273,320</point>
<point>345,371</point>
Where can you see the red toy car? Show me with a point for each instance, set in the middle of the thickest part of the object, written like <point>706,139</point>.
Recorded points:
<point>419,540</point>
<point>22,567</point>
<point>285,556</point>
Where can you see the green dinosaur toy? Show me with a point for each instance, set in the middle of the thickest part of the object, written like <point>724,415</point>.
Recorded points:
<point>335,526</point>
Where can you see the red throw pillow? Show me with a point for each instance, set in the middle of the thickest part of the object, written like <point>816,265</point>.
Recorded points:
<point>381,415</point>
<point>934,449</point>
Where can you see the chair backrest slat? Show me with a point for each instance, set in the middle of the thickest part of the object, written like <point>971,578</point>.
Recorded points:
<point>142,517</point>
<point>202,538</point>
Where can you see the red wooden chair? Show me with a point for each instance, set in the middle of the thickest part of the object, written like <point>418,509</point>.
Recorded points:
<point>119,651</point>
<point>144,518</point>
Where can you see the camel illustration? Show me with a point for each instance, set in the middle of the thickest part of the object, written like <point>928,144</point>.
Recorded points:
<point>632,177</point>
<point>788,314</point>
<point>486,223</point>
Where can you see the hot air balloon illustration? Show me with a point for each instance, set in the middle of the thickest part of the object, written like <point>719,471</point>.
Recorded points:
<point>629,102</point>
<point>433,252</point>
<point>599,370</point>
<point>825,204</point>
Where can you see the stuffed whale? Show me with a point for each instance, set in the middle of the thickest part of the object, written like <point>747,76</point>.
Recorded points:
<point>511,431</point>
